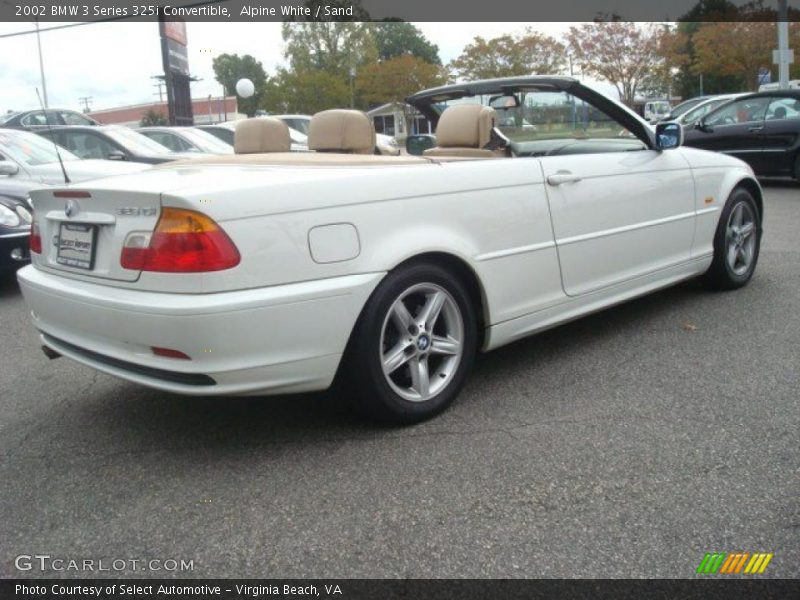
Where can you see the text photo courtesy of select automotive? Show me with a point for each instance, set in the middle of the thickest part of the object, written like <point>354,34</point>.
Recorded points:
<point>350,297</point>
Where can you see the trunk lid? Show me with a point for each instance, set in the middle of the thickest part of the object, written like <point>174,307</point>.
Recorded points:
<point>83,231</point>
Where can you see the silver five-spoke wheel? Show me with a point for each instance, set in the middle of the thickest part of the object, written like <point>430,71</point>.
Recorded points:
<point>740,239</point>
<point>421,342</point>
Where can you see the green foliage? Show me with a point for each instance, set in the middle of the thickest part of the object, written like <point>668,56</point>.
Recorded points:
<point>305,92</point>
<point>153,118</point>
<point>395,79</point>
<point>333,47</point>
<point>396,38</point>
<point>230,68</point>
<point>506,56</point>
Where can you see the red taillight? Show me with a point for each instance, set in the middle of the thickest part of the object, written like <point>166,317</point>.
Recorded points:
<point>184,241</point>
<point>169,353</point>
<point>35,241</point>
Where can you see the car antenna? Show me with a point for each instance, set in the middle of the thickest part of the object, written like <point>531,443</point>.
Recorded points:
<point>52,139</point>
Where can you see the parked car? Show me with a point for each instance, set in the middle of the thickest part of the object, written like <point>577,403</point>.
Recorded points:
<point>27,159</point>
<point>187,139</point>
<point>28,162</point>
<point>690,117</point>
<point>794,84</point>
<point>265,280</point>
<point>112,142</point>
<point>763,129</point>
<point>677,110</point>
<point>225,132</point>
<point>41,119</point>
<point>15,226</point>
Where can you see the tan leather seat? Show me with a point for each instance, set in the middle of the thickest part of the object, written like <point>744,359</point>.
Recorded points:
<point>339,130</point>
<point>464,130</point>
<point>259,135</point>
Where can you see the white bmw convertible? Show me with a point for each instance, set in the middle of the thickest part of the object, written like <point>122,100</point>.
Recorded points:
<point>271,272</point>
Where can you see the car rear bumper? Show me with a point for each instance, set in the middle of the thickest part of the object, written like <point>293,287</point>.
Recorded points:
<point>271,340</point>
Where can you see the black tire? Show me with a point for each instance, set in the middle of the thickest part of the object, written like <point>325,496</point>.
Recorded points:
<point>372,391</point>
<point>722,275</point>
<point>796,171</point>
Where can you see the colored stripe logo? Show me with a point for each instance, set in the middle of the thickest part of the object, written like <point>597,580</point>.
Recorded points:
<point>734,563</point>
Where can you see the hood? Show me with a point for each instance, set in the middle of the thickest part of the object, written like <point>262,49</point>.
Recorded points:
<point>83,170</point>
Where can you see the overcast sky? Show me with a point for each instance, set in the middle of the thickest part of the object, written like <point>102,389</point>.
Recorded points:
<point>114,62</point>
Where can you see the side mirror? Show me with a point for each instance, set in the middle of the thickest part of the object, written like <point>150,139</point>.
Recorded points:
<point>417,144</point>
<point>669,135</point>
<point>117,155</point>
<point>8,168</point>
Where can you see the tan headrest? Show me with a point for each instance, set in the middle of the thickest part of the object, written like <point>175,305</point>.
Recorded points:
<point>263,134</point>
<point>340,130</point>
<point>465,126</point>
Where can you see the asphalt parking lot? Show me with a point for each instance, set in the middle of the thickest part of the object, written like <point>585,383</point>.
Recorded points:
<point>627,444</point>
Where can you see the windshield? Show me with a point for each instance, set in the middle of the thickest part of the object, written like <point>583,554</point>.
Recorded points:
<point>30,149</point>
<point>544,115</point>
<point>297,123</point>
<point>693,116</point>
<point>6,118</point>
<point>207,142</point>
<point>136,142</point>
<point>685,106</point>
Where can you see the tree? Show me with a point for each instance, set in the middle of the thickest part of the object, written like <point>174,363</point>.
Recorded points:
<point>625,54</point>
<point>505,56</point>
<point>334,46</point>
<point>153,118</point>
<point>717,73</point>
<point>394,79</point>
<point>395,38</point>
<point>230,68</point>
<point>738,49</point>
<point>305,92</point>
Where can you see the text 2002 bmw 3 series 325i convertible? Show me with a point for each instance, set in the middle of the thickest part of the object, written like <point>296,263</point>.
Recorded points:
<point>270,272</point>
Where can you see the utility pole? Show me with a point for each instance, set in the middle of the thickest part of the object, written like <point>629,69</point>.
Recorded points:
<point>783,57</point>
<point>86,100</point>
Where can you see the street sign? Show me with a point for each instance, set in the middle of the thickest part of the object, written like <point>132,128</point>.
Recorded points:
<point>764,76</point>
<point>788,53</point>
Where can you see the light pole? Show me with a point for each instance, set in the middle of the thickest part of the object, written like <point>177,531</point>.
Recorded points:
<point>41,63</point>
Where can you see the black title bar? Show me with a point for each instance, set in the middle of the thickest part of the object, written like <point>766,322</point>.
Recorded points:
<point>379,10</point>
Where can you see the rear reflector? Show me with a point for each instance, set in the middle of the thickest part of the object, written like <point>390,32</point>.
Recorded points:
<point>184,241</point>
<point>169,353</point>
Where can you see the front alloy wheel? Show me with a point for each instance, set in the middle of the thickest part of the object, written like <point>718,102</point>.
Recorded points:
<point>736,242</point>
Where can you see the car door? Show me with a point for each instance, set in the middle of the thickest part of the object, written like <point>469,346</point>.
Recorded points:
<point>781,135</point>
<point>735,129</point>
<point>620,210</point>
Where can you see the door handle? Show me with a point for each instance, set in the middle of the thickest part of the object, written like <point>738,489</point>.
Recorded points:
<point>755,128</point>
<point>562,177</point>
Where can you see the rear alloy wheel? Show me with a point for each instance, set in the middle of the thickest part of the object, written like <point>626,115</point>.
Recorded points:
<point>414,345</point>
<point>736,243</point>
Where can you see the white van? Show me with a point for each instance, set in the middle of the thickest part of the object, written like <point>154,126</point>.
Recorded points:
<point>794,84</point>
<point>655,110</point>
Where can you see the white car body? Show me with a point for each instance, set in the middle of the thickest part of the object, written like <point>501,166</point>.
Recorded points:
<point>316,240</point>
